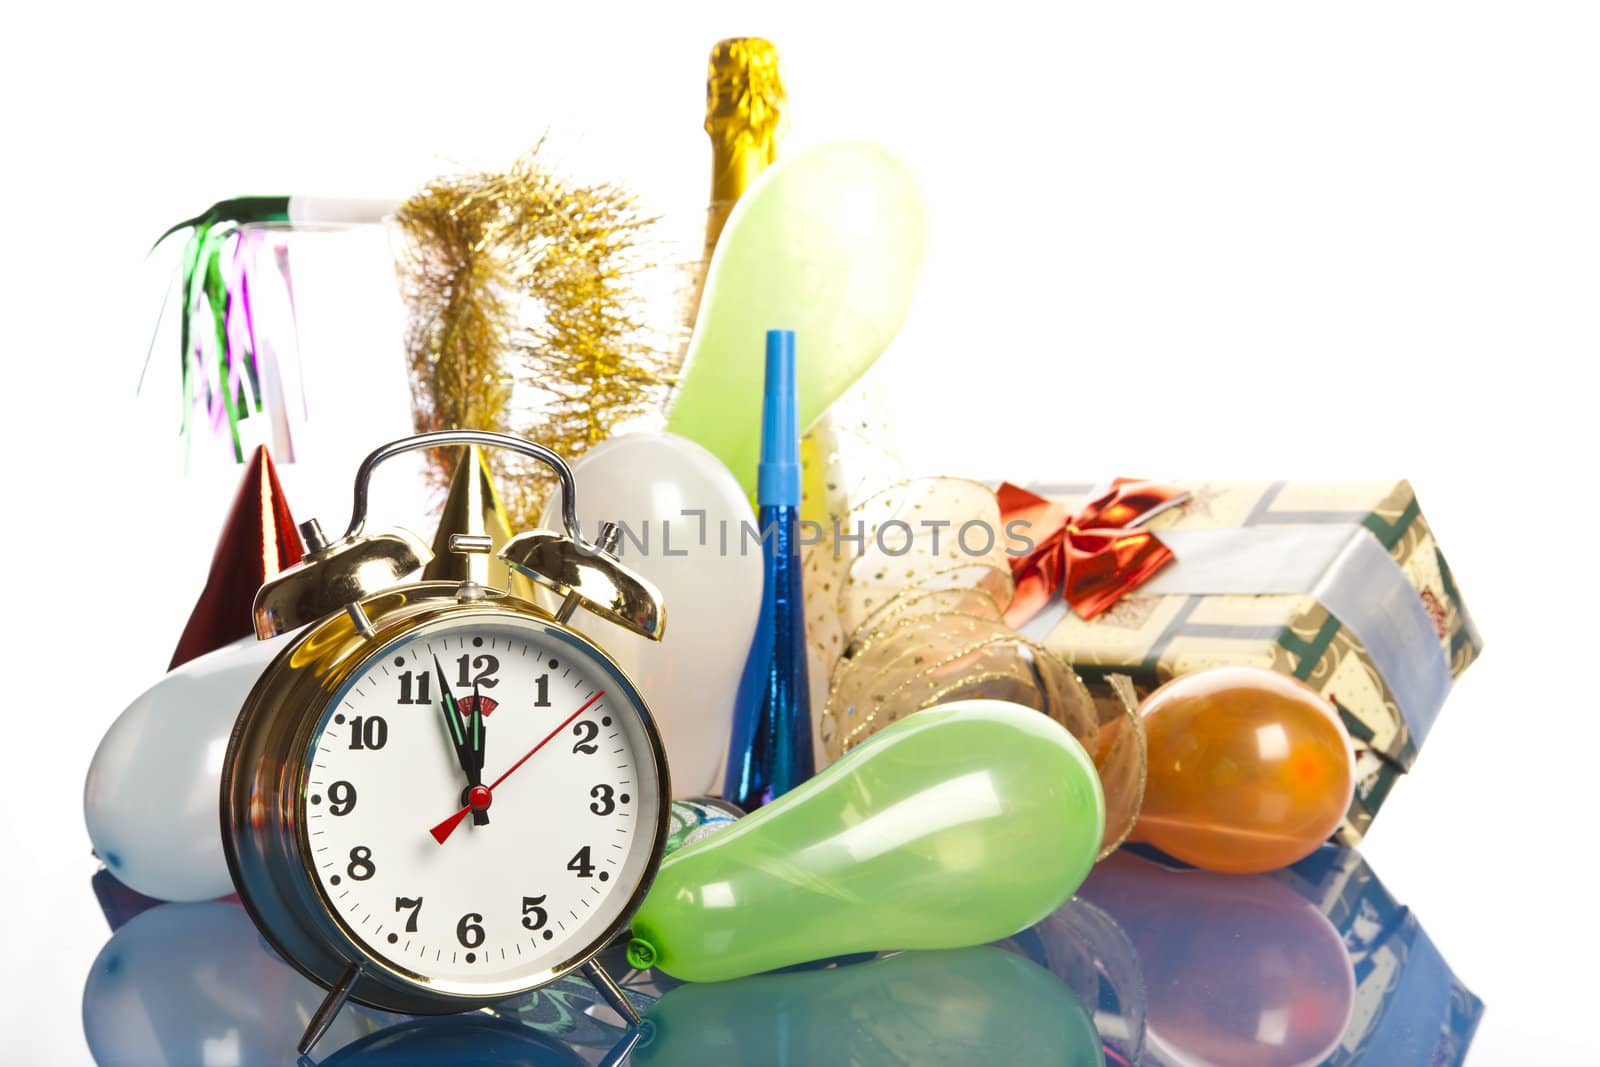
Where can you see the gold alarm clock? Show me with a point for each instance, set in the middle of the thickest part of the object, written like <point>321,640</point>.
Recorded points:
<point>440,795</point>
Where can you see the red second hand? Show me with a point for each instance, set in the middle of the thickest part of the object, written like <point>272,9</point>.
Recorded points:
<point>446,828</point>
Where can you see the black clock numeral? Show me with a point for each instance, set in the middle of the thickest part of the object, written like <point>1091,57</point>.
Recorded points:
<point>488,666</point>
<point>469,931</point>
<point>581,863</point>
<point>421,682</point>
<point>533,916</point>
<point>585,731</point>
<point>341,798</point>
<point>542,684</point>
<point>412,904</point>
<point>361,866</point>
<point>369,731</point>
<point>604,800</point>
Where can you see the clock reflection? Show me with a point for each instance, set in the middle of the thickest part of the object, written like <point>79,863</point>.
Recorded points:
<point>470,1040</point>
<point>195,985</point>
<point>1151,964</point>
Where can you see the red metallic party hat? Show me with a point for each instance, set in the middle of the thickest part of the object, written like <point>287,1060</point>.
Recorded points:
<point>258,541</point>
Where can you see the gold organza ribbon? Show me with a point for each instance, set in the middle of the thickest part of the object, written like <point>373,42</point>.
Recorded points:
<point>903,614</point>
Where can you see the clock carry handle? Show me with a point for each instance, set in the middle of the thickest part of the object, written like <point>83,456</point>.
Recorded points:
<point>335,576</point>
<point>488,439</point>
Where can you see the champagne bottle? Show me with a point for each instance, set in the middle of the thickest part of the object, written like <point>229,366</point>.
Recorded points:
<point>745,112</point>
<point>746,117</point>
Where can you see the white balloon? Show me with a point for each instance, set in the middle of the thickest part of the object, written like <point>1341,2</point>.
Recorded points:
<point>685,520</point>
<point>195,984</point>
<point>151,798</point>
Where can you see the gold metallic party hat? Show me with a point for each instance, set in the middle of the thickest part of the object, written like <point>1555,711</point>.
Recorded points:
<point>473,508</point>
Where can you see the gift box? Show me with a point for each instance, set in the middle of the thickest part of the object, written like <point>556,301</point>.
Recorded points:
<point>1410,1007</point>
<point>1340,585</point>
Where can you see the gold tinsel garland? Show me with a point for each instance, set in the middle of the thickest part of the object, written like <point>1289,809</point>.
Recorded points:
<point>525,316</point>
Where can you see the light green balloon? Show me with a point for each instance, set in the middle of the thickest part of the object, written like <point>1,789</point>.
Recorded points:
<point>960,825</point>
<point>828,243</point>
<point>932,1009</point>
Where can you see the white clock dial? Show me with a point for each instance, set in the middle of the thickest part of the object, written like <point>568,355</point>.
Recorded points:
<point>486,889</point>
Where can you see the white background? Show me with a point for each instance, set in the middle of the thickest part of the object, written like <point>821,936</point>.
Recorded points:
<point>1191,239</point>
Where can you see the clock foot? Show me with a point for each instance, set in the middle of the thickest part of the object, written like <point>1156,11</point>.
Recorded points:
<point>613,994</point>
<point>329,1009</point>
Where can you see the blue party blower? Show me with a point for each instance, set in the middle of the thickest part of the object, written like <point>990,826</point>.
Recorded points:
<point>770,751</point>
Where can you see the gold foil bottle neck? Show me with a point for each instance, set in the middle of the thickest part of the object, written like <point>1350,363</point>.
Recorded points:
<point>744,86</point>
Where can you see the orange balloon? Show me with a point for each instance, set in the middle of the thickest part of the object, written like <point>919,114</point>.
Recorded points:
<point>1250,770</point>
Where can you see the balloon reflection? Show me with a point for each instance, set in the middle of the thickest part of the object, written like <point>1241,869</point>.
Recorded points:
<point>1239,970</point>
<point>956,1007</point>
<point>1410,1007</point>
<point>1085,948</point>
<point>194,984</point>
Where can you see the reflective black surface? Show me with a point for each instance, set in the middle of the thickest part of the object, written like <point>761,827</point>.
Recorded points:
<point>1150,964</point>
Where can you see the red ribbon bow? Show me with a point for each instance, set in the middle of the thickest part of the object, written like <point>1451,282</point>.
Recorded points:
<point>1094,557</point>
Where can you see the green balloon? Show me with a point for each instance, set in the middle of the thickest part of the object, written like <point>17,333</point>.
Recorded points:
<point>928,1009</point>
<point>960,825</point>
<point>827,243</point>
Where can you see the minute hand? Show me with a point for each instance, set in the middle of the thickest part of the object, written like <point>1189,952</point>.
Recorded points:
<point>475,745</point>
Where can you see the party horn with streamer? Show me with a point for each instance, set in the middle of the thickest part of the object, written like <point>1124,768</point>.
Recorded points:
<point>961,824</point>
<point>229,368</point>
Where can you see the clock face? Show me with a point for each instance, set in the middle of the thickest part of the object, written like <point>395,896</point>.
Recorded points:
<point>481,802</point>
